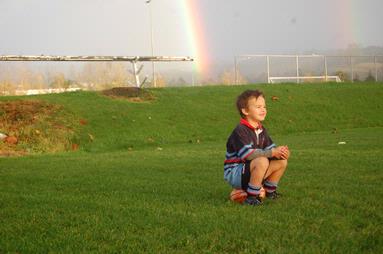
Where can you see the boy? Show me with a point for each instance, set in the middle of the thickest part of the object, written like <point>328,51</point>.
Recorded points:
<point>252,160</point>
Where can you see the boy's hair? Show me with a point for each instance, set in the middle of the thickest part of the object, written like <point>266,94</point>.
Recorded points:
<point>243,99</point>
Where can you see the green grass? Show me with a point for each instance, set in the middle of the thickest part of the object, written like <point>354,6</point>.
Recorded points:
<point>121,193</point>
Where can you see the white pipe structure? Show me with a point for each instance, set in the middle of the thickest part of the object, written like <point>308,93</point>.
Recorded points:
<point>154,81</point>
<point>268,69</point>
<point>95,58</point>
<point>132,59</point>
<point>325,68</point>
<point>352,70</point>
<point>376,69</point>
<point>297,65</point>
<point>235,71</point>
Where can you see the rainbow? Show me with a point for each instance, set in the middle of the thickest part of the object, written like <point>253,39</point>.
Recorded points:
<point>196,36</point>
<point>349,22</point>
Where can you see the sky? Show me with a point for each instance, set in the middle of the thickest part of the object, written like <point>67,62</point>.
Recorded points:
<point>210,30</point>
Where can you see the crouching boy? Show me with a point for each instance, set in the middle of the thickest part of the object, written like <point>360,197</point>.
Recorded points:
<point>253,162</point>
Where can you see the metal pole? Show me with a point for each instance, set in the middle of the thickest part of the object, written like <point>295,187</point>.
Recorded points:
<point>135,72</point>
<point>151,42</point>
<point>235,70</point>
<point>376,69</point>
<point>325,68</point>
<point>23,58</point>
<point>352,70</point>
<point>268,69</point>
<point>297,63</point>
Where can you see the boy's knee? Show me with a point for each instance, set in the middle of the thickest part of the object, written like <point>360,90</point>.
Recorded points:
<point>283,164</point>
<point>260,163</point>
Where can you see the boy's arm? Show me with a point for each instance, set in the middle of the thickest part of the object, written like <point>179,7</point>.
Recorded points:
<point>260,153</point>
<point>280,152</point>
<point>270,151</point>
<point>243,144</point>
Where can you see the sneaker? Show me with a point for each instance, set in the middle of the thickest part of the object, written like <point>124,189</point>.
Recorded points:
<point>272,195</point>
<point>253,200</point>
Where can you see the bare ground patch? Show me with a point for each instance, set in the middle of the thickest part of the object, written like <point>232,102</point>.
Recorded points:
<point>134,94</point>
<point>33,126</point>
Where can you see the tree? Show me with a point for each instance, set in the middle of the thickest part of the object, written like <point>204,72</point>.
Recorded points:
<point>354,49</point>
<point>58,81</point>
<point>160,81</point>
<point>370,78</point>
<point>181,81</point>
<point>228,78</point>
<point>7,88</point>
<point>105,75</point>
<point>342,75</point>
<point>356,77</point>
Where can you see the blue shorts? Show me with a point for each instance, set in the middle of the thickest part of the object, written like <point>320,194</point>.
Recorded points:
<point>239,176</point>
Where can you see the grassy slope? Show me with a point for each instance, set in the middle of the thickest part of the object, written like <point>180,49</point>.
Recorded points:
<point>181,115</point>
<point>109,198</point>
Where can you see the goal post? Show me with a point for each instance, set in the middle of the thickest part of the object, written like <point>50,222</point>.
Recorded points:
<point>335,78</point>
<point>298,77</point>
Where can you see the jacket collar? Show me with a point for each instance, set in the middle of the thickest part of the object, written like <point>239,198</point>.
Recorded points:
<point>246,123</point>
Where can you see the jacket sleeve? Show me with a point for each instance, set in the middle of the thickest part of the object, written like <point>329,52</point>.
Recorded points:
<point>242,142</point>
<point>259,153</point>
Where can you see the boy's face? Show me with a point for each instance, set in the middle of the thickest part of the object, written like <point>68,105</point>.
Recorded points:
<point>256,109</point>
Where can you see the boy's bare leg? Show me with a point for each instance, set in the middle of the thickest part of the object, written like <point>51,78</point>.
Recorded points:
<point>272,177</point>
<point>276,170</point>
<point>258,168</point>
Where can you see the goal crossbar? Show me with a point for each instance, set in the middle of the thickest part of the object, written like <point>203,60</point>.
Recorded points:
<point>131,59</point>
<point>95,58</point>
<point>336,78</point>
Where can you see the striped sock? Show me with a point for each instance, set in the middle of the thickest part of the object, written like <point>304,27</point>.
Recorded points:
<point>270,186</point>
<point>253,190</point>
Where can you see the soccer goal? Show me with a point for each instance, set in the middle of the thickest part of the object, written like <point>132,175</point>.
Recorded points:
<point>291,68</point>
<point>273,80</point>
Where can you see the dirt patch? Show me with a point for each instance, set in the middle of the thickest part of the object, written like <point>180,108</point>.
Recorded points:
<point>134,94</point>
<point>11,153</point>
<point>33,126</point>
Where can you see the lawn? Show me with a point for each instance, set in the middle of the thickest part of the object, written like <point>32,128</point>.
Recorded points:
<point>151,180</point>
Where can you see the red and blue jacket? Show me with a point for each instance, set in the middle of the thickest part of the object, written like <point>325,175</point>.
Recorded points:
<point>245,140</point>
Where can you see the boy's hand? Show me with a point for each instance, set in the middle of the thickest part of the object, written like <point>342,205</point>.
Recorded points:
<point>277,152</point>
<point>285,152</point>
<point>281,152</point>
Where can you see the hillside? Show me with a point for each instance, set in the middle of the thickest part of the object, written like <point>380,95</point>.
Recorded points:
<point>204,114</point>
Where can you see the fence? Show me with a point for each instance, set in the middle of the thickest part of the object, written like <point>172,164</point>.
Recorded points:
<point>300,75</point>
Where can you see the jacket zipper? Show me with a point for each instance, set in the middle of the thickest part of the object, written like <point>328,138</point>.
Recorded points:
<point>257,138</point>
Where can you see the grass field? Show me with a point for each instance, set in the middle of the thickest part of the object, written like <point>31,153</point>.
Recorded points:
<point>152,178</point>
